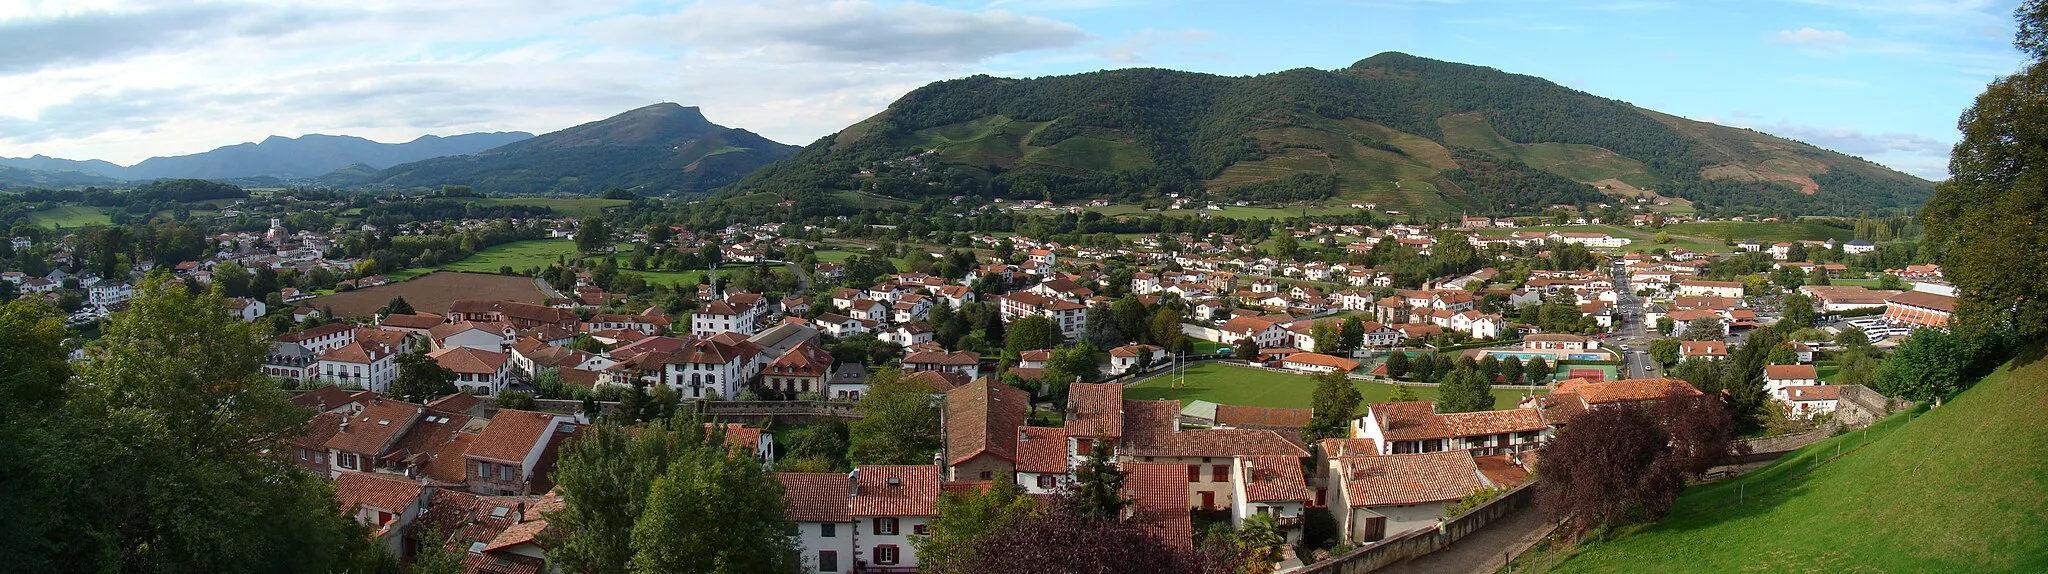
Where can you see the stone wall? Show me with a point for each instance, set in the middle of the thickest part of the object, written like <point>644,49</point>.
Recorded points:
<point>1860,407</point>
<point>1421,542</point>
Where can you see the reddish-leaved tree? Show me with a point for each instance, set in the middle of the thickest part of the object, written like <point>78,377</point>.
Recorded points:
<point>1063,540</point>
<point>1702,432</point>
<point>1604,468</point>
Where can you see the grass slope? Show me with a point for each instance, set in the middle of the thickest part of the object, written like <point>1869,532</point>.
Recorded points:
<point>1958,489</point>
<point>1577,162</point>
<point>1233,385</point>
<point>69,216</point>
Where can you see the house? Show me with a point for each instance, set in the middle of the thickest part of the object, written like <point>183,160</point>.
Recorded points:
<point>1416,427</point>
<point>1374,497</point>
<point>1708,350</point>
<point>710,367</point>
<point>966,363</point>
<point>1781,376</point>
<point>1836,298</point>
<point>1069,316</point>
<point>1558,342</point>
<point>802,370</point>
<point>1809,400</point>
<point>1317,363</point>
<point>981,422</point>
<point>735,314</point>
<point>849,382</point>
<point>416,323</point>
<point>1042,459</point>
<point>1690,287</point>
<point>752,442</point>
<point>521,315</point>
<point>821,506</point>
<point>477,371</point>
<point>1269,485</point>
<point>246,309</point>
<point>889,505</point>
<point>471,334</point>
<point>504,457</point>
<point>1571,397</point>
<point>1858,247</point>
<point>366,365</point>
<point>1265,332</point>
<point>1919,309</point>
<point>1130,358</point>
<point>387,505</point>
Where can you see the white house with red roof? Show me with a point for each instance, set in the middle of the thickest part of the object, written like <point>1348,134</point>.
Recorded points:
<point>1416,427</point>
<point>821,506</point>
<point>477,371</point>
<point>889,505</point>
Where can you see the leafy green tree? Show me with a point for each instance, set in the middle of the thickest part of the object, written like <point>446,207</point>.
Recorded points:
<point>1397,364</point>
<point>1799,313</point>
<point>1852,338</point>
<point>965,518</point>
<point>1665,325</point>
<point>517,400</point>
<point>1334,403</point>
<point>592,235</point>
<point>1707,329</point>
<point>1423,369</point>
<point>1131,317</point>
<point>1401,394</point>
<point>232,279</point>
<point>604,477</point>
<point>1032,333</point>
<point>1985,220</point>
<point>1489,368</point>
<point>1511,368</point>
<point>1066,366</point>
<point>1351,335</point>
<point>1782,355</point>
<point>899,422</point>
<point>1665,352</point>
<point>1537,370</point>
<point>1101,328</point>
<point>1930,364</point>
<point>1464,390</point>
<point>1099,484</point>
<point>1743,380</point>
<point>1166,330</point>
<point>712,512</point>
<point>1326,337</point>
<point>1890,282</point>
<point>1245,349</point>
<point>435,556</point>
<point>421,379</point>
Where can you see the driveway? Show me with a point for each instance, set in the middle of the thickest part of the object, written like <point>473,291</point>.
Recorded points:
<point>1482,552</point>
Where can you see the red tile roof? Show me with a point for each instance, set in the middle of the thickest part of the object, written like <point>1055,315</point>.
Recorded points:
<point>470,360</point>
<point>1501,471</point>
<point>914,492</point>
<point>1790,372</point>
<point>1343,447</point>
<point>1242,416</point>
<point>1041,450</point>
<point>1598,393</point>
<point>375,429</point>
<point>1418,420</point>
<point>381,491</point>
<point>511,435</point>
<point>332,396</point>
<point>1813,392</point>
<point>414,321</point>
<point>1095,410</point>
<point>1925,300</point>
<point>1703,348</point>
<point>817,497</point>
<point>1150,430</point>
<point>982,418</point>
<point>1274,479</point>
<point>935,381</point>
<point>1159,500</point>
<point>1409,478</point>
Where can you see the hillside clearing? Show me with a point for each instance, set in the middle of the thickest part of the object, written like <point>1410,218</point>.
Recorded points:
<point>64,216</point>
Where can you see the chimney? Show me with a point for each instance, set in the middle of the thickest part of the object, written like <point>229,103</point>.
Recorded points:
<point>520,513</point>
<point>854,478</point>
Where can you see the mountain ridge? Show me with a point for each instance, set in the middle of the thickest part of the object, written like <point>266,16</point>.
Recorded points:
<point>305,156</point>
<point>1388,128</point>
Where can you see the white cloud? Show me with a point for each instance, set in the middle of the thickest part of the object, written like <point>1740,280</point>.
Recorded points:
<point>1918,154</point>
<point>1137,48</point>
<point>1810,36</point>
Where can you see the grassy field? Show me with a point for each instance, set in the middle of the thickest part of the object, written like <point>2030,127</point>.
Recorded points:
<point>1958,489</point>
<point>518,254</point>
<point>572,207</point>
<point>1233,212</point>
<point>69,216</point>
<point>1865,283</point>
<point>1761,230</point>
<point>1234,385</point>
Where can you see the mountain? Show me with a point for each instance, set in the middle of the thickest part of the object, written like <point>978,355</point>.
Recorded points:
<point>306,156</point>
<point>18,178</point>
<point>658,149</point>
<point>1394,129</point>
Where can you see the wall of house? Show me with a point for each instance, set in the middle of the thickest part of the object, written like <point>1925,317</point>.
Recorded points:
<point>867,540</point>
<point>811,541</point>
<point>1400,518</point>
<point>972,469</point>
<point>475,339</point>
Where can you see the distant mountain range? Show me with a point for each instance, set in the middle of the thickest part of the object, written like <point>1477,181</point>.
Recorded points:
<point>659,149</point>
<point>303,157</point>
<point>1393,129</point>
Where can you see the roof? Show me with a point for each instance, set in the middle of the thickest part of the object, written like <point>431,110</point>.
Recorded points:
<point>1409,478</point>
<point>982,418</point>
<point>1790,372</point>
<point>1622,390</point>
<point>318,430</point>
<point>1812,392</point>
<point>376,427</point>
<point>1700,283</point>
<point>315,333</point>
<point>1560,337</point>
<point>511,435</point>
<point>1925,300</point>
<point>1417,420</point>
<point>1242,416</point>
<point>331,396</point>
<point>816,496</point>
<point>469,360</point>
<point>953,358</point>
<point>1133,350</point>
<point>914,491</point>
<point>1501,471</point>
<point>1274,478</point>
<point>935,381</point>
<point>382,491</point>
<point>455,402</point>
<point>1699,348</point>
<point>1095,410</point>
<point>1041,450</point>
<point>1344,447</point>
<point>1322,360</point>
<point>1151,429</point>
<point>1159,500</point>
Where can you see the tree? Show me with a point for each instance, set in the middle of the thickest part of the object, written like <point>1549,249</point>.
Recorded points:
<point>1664,325</point>
<point>1066,366</point>
<point>1852,338</point>
<point>435,556</point>
<point>1031,333</point>
<point>1930,364</point>
<point>1285,246</point>
<point>1602,469</point>
<point>1858,368</point>
<point>1064,539</point>
<point>1704,329</point>
<point>591,235</point>
<point>1423,368</point>
<point>520,400</point>
<point>1665,352</point>
<point>1245,349</point>
<point>1401,394</point>
<point>1166,330</point>
<point>899,422</point>
<point>1537,370</point>
<point>1701,431</point>
<point>1464,390</point>
<point>1325,335</point>
<point>965,519</point>
<point>1131,317</point>
<point>1511,368</point>
<point>1351,336</point>
<point>1397,364</point>
<point>1334,404</point>
<point>1742,381</point>
<point>1798,313</point>
<point>232,279</point>
<point>1890,282</point>
<point>1782,355</point>
<point>713,511</point>
<point>1099,484</point>
<point>1101,328</point>
<point>604,477</point>
<point>1489,368</point>
<point>421,379</point>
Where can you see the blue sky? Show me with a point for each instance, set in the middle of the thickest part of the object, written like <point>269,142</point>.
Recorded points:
<point>126,79</point>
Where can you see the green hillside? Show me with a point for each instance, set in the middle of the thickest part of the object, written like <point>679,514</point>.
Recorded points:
<point>1958,489</point>
<point>1385,130</point>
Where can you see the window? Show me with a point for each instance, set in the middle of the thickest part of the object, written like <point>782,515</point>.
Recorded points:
<point>1046,481</point>
<point>886,554</point>
<point>919,529</point>
<point>828,560</point>
<point>1194,473</point>
<point>505,472</point>
<point>828,530</point>
<point>347,460</point>
<point>304,454</point>
<point>985,475</point>
<point>1219,473</point>
<point>885,525</point>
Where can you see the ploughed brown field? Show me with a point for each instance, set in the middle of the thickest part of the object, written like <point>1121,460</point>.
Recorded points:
<point>431,293</point>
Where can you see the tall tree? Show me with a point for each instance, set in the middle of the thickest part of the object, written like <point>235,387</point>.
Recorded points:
<point>899,422</point>
<point>1930,364</point>
<point>604,477</point>
<point>1511,369</point>
<point>1602,469</point>
<point>1537,370</point>
<point>1325,335</point>
<point>1464,390</point>
<point>965,519</point>
<point>714,512</point>
<point>1334,403</point>
<point>1708,329</point>
<point>1743,380</point>
<point>592,235</point>
<point>1166,330</point>
<point>1062,539</point>
<point>1066,366</point>
<point>1032,333</point>
<point>1798,314</point>
<point>1099,484</point>
<point>1351,335</point>
<point>1397,364</point>
<point>1101,328</point>
<point>1131,317</point>
<point>1665,351</point>
<point>1245,349</point>
<point>421,379</point>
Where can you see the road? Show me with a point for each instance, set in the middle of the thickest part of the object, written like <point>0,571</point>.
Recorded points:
<point>1481,552</point>
<point>1630,332</point>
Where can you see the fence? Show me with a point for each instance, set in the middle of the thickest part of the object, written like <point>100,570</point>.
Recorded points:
<point>1418,543</point>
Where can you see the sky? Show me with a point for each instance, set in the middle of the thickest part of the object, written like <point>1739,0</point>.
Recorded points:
<point>123,80</point>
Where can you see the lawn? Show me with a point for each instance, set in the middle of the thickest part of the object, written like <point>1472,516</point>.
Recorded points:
<point>63,216</point>
<point>1234,385</point>
<point>1954,490</point>
<point>1864,283</point>
<point>518,254</point>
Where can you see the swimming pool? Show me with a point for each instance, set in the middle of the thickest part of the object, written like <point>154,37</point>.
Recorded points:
<point>1587,357</point>
<point>1521,356</point>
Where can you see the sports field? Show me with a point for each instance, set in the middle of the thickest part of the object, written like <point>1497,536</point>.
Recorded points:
<point>1235,385</point>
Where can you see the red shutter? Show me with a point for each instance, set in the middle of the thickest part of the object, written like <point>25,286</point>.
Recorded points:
<point>1219,473</point>
<point>1194,473</point>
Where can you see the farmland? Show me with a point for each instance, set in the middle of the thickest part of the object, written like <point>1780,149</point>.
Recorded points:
<point>431,293</point>
<point>519,255</point>
<point>64,216</point>
<point>1234,385</point>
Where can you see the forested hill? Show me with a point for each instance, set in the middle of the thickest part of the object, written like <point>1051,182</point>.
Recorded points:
<point>658,149</point>
<point>1393,129</point>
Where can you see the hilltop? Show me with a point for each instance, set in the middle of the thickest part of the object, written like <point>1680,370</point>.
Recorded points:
<point>657,149</point>
<point>306,156</point>
<point>1393,129</point>
<point>1957,489</point>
